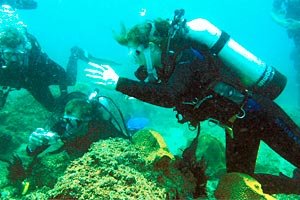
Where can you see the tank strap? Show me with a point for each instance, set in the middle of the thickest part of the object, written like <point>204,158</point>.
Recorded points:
<point>220,43</point>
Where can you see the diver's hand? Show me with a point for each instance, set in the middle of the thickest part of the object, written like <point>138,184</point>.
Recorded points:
<point>104,75</point>
<point>79,53</point>
<point>41,137</point>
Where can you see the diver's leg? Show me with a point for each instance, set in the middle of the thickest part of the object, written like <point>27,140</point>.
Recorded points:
<point>279,131</point>
<point>242,148</point>
<point>241,154</point>
<point>272,184</point>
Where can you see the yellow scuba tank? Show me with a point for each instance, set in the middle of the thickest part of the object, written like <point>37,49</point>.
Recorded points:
<point>253,73</point>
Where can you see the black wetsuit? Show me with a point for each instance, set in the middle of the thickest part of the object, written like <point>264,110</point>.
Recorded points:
<point>190,90</point>
<point>40,73</point>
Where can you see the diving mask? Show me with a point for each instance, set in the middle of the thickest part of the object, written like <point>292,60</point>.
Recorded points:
<point>13,56</point>
<point>72,122</point>
<point>73,126</point>
<point>135,54</point>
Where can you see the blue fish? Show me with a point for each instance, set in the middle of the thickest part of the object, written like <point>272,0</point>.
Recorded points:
<point>137,123</point>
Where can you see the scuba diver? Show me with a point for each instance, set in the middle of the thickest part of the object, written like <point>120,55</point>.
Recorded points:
<point>286,13</point>
<point>20,4</point>
<point>23,64</point>
<point>85,120</point>
<point>201,72</point>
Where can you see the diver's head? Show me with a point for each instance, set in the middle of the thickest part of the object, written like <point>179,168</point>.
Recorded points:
<point>146,42</point>
<point>78,114</point>
<point>14,45</point>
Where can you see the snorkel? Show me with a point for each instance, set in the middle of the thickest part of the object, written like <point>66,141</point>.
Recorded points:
<point>140,48</point>
<point>152,76</point>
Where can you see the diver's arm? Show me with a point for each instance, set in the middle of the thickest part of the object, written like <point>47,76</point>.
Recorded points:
<point>44,70</point>
<point>71,71</point>
<point>157,94</point>
<point>161,94</point>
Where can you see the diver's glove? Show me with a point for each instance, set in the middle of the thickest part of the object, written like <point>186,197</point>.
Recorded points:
<point>103,75</point>
<point>79,53</point>
<point>41,138</point>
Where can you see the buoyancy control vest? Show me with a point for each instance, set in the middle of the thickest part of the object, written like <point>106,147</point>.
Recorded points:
<point>211,95</point>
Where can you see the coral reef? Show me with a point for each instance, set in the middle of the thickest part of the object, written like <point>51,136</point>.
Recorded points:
<point>45,170</point>
<point>212,151</point>
<point>175,172</point>
<point>114,169</point>
<point>152,143</point>
<point>240,186</point>
<point>117,169</point>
